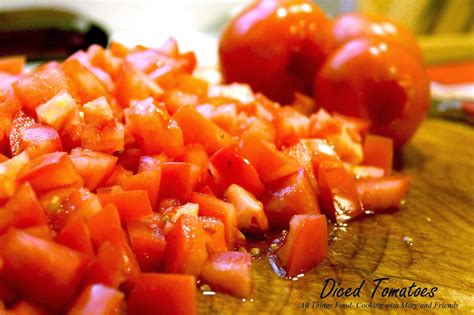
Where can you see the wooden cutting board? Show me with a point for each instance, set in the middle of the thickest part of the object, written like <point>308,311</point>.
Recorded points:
<point>429,241</point>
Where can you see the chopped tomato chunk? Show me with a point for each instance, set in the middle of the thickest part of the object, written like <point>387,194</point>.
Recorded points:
<point>160,293</point>
<point>378,151</point>
<point>229,272</point>
<point>97,299</point>
<point>306,244</point>
<point>383,192</point>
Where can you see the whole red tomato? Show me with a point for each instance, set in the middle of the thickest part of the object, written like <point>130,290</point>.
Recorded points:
<point>377,81</point>
<point>349,26</point>
<point>276,46</point>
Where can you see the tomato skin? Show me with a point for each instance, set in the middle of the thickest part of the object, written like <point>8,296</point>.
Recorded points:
<point>97,299</point>
<point>381,83</point>
<point>383,192</point>
<point>276,47</point>
<point>306,244</point>
<point>160,293</point>
<point>149,181</point>
<point>229,272</point>
<point>349,26</point>
<point>62,269</point>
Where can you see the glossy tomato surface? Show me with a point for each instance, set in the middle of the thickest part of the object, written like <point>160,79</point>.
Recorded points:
<point>276,46</point>
<point>350,26</point>
<point>379,82</point>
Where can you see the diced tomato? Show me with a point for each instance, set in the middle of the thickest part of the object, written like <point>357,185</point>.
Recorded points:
<point>86,84</point>
<point>3,158</point>
<point>345,140</point>
<point>38,87</point>
<point>258,129</point>
<point>289,196</point>
<point>192,85</point>
<point>320,151</point>
<point>156,293</point>
<point>105,227</point>
<point>118,175</point>
<point>8,174</point>
<point>338,192</point>
<point>384,192</point>
<point>26,308</point>
<point>132,84</point>
<point>43,271</point>
<point>39,139</point>
<point>151,163</point>
<point>215,230</point>
<point>378,151</point>
<point>41,231</point>
<point>178,180</point>
<point>270,163</point>
<point>229,272</point>
<point>213,207</point>
<point>97,299</point>
<point>362,171</point>
<point>19,122</point>
<point>98,112</point>
<point>103,139</point>
<point>302,155</point>
<point>152,129</point>
<point>250,215</point>
<point>306,244</point>
<point>148,244</point>
<point>21,210</point>
<point>94,167</point>
<point>196,154</point>
<point>48,171</point>
<point>118,49</point>
<point>81,203</point>
<point>185,250</point>
<point>229,167</point>
<point>149,181</point>
<point>107,267</point>
<point>303,104</point>
<point>359,125</point>
<point>199,129</point>
<point>132,204</point>
<point>76,235</point>
<point>290,126</point>
<point>12,64</point>
<point>175,99</point>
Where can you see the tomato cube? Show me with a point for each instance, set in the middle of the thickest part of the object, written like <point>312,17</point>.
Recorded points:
<point>378,151</point>
<point>289,196</point>
<point>229,272</point>
<point>185,250</point>
<point>306,244</point>
<point>383,192</point>
<point>39,139</point>
<point>147,243</point>
<point>56,111</point>
<point>158,293</point>
<point>339,198</point>
<point>132,204</point>
<point>97,299</point>
<point>50,171</point>
<point>178,180</point>
<point>40,270</point>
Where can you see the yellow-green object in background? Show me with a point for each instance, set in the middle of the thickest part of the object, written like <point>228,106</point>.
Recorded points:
<point>447,47</point>
<point>455,16</point>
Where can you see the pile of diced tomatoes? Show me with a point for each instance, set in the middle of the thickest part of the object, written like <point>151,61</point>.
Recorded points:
<point>124,180</point>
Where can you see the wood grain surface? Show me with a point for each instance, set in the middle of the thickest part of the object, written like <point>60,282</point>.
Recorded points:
<point>429,241</point>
